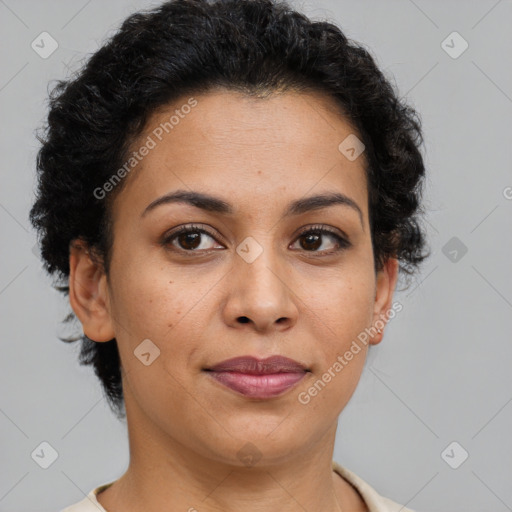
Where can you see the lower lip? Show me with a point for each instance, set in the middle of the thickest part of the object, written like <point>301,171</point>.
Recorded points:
<point>258,386</point>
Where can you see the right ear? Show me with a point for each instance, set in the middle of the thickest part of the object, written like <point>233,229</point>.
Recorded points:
<point>88,293</point>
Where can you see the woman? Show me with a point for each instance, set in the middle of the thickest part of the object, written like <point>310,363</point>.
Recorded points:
<point>229,192</point>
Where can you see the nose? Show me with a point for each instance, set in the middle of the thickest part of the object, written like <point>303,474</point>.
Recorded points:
<point>260,294</point>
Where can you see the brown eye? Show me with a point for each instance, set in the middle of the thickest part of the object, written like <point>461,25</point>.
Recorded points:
<point>189,239</point>
<point>313,239</point>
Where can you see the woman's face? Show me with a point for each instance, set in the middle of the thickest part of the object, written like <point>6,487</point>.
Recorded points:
<point>254,283</point>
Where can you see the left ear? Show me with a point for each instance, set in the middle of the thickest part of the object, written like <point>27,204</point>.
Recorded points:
<point>384,290</point>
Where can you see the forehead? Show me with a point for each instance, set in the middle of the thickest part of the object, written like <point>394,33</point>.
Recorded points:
<point>225,117</point>
<point>237,146</point>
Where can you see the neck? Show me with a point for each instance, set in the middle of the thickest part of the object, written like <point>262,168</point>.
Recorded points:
<point>164,473</point>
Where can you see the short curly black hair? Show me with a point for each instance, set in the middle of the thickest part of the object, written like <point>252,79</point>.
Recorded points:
<point>192,46</point>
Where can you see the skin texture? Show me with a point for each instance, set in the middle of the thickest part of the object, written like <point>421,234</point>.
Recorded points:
<point>185,430</point>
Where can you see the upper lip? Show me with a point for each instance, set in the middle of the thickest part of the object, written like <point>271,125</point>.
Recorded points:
<point>255,366</point>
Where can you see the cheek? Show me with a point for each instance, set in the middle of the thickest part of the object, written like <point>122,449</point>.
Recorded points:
<point>164,305</point>
<point>149,304</point>
<point>342,311</point>
<point>344,302</point>
<point>146,302</point>
<point>340,351</point>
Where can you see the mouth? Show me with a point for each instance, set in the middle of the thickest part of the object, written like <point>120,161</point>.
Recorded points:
<point>258,378</point>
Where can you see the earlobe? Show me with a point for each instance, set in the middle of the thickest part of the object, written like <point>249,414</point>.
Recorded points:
<point>385,287</point>
<point>88,293</point>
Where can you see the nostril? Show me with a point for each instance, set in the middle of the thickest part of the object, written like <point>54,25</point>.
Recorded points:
<point>243,319</point>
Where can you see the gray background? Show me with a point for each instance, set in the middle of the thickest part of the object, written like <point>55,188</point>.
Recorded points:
<point>442,373</point>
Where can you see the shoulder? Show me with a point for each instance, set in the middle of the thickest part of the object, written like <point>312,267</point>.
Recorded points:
<point>89,503</point>
<point>373,500</point>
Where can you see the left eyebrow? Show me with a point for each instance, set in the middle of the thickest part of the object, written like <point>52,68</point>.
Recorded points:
<point>199,200</point>
<point>214,204</point>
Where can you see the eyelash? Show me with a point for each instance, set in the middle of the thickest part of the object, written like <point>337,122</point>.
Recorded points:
<point>317,229</point>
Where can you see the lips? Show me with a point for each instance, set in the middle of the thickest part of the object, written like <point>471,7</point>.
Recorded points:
<point>258,378</point>
<point>254,366</point>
